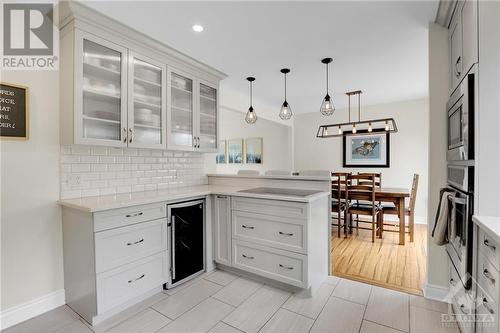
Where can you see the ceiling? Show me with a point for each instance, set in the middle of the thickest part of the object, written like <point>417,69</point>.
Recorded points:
<point>379,47</point>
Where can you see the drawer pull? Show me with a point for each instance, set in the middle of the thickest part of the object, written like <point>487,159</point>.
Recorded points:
<point>453,282</point>
<point>487,243</point>
<point>487,275</point>
<point>247,227</point>
<point>285,234</point>
<point>136,242</point>
<point>247,257</point>
<point>462,308</point>
<point>286,267</point>
<point>222,196</point>
<point>136,279</point>
<point>134,214</point>
<point>486,306</point>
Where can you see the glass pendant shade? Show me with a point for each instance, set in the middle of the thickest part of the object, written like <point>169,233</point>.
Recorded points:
<point>327,107</point>
<point>251,116</point>
<point>285,111</point>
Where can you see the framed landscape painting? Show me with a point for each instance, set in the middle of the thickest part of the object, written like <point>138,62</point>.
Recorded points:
<point>235,151</point>
<point>366,151</point>
<point>253,150</point>
<point>221,156</point>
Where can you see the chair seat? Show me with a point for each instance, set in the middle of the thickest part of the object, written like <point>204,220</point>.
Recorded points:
<point>391,209</point>
<point>335,205</point>
<point>360,207</point>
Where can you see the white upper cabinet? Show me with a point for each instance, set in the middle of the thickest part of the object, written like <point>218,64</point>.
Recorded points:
<point>120,88</point>
<point>455,40</point>
<point>147,102</point>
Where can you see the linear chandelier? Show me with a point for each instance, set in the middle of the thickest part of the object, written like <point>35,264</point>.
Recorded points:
<point>360,127</point>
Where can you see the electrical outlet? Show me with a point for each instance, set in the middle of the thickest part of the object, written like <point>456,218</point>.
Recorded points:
<point>75,180</point>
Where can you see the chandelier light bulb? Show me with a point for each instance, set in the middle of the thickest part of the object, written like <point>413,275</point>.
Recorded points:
<point>354,130</point>
<point>370,129</point>
<point>340,130</point>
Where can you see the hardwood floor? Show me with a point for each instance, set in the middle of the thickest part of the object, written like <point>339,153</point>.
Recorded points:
<point>383,263</point>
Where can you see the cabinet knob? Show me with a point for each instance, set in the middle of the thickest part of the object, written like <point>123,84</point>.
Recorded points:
<point>131,135</point>
<point>124,135</point>
<point>457,71</point>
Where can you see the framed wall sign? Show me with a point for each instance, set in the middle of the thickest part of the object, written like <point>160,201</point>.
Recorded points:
<point>14,111</point>
<point>366,151</point>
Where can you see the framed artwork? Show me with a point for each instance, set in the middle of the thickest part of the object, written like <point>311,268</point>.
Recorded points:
<point>254,150</point>
<point>235,151</point>
<point>221,156</point>
<point>366,151</point>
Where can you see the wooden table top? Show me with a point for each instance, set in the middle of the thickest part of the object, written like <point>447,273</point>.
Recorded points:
<point>395,192</point>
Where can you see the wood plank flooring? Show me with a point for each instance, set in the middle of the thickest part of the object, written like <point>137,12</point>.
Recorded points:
<point>383,263</point>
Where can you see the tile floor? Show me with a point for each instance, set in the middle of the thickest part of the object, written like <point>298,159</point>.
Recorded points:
<point>220,302</point>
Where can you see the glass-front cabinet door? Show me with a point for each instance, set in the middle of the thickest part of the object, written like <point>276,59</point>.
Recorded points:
<point>100,91</point>
<point>181,114</point>
<point>146,102</point>
<point>208,117</point>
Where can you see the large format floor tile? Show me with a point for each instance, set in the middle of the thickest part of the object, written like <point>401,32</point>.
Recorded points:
<point>370,327</point>
<point>175,305</point>
<point>429,304</point>
<point>286,321</point>
<point>221,277</point>
<point>237,291</point>
<point>389,308</point>
<point>74,327</point>
<point>201,318</point>
<point>224,328</point>
<point>252,314</point>
<point>309,306</point>
<point>339,316</point>
<point>352,291</point>
<point>147,321</point>
<point>49,321</point>
<point>425,321</point>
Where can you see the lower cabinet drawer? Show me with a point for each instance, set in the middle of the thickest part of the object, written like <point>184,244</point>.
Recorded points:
<point>489,248</point>
<point>487,277</point>
<point>127,282</point>
<point>283,266</point>
<point>280,232</point>
<point>121,217</point>
<point>121,246</point>
<point>486,313</point>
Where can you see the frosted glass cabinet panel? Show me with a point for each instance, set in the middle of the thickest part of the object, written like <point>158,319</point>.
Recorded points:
<point>208,117</point>
<point>101,95</point>
<point>147,103</point>
<point>181,122</point>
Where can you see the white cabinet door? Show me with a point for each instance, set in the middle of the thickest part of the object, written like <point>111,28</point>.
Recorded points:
<point>455,39</point>
<point>208,121</point>
<point>146,102</point>
<point>222,229</point>
<point>100,103</point>
<point>181,111</point>
<point>469,34</point>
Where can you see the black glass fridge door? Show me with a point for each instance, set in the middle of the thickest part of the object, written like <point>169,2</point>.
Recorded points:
<point>187,240</point>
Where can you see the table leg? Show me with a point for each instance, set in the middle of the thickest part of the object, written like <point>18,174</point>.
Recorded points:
<point>401,211</point>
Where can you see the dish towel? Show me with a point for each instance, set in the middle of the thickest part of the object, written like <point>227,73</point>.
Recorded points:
<point>440,233</point>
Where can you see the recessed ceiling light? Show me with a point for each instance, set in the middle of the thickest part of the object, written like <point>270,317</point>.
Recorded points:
<point>197,28</point>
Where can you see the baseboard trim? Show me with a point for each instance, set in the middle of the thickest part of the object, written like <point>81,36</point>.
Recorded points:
<point>30,309</point>
<point>436,292</point>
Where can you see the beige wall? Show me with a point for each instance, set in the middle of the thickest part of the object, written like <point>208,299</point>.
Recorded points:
<point>277,142</point>
<point>30,217</point>
<point>437,260</point>
<point>408,147</point>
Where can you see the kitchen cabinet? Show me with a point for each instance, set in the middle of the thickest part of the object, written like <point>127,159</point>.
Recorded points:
<point>463,40</point>
<point>120,88</point>
<point>222,229</point>
<point>192,113</point>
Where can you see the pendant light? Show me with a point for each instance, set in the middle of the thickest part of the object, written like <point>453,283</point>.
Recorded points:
<point>251,116</point>
<point>327,107</point>
<point>286,110</point>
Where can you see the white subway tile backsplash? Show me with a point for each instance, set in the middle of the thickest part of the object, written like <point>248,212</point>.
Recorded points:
<point>109,171</point>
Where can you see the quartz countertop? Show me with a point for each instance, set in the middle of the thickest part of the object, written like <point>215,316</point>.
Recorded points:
<point>227,175</point>
<point>490,224</point>
<point>106,202</point>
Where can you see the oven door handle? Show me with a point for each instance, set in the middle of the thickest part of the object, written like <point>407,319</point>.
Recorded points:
<point>459,201</point>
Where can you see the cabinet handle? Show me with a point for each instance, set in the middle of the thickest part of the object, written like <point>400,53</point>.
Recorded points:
<point>173,247</point>
<point>136,279</point>
<point>462,308</point>
<point>286,267</point>
<point>124,135</point>
<point>134,214</point>
<point>487,243</point>
<point>131,135</point>
<point>247,227</point>
<point>456,67</point>
<point>135,243</point>
<point>247,257</point>
<point>487,275</point>
<point>285,234</point>
<point>487,307</point>
<point>222,196</point>
<point>453,282</point>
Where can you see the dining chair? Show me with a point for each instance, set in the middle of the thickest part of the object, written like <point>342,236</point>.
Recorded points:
<point>378,178</point>
<point>339,190</point>
<point>409,210</point>
<point>361,200</point>
<point>248,172</point>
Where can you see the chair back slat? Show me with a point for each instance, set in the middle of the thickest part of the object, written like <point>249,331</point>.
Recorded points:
<point>378,178</point>
<point>413,195</point>
<point>361,187</point>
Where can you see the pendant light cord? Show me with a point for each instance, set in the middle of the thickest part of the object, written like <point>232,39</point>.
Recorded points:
<point>285,86</point>
<point>349,98</point>
<point>359,107</point>
<point>327,79</point>
<point>250,93</point>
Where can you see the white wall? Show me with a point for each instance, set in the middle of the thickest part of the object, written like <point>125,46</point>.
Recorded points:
<point>30,216</point>
<point>277,142</point>
<point>409,146</point>
<point>437,259</point>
